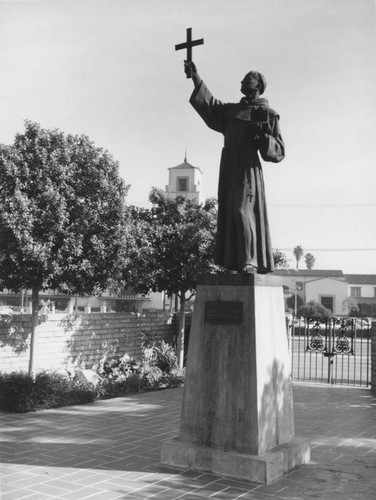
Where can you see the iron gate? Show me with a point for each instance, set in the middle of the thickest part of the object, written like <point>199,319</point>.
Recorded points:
<point>335,351</point>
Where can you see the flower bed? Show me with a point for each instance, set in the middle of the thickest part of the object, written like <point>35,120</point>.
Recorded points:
<point>114,376</point>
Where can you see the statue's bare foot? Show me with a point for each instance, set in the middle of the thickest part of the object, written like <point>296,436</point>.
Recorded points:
<point>249,269</point>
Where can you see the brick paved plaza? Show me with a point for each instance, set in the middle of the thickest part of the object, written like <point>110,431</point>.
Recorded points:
<point>110,450</point>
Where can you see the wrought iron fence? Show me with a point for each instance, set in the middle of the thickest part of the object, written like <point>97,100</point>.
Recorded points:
<point>335,350</point>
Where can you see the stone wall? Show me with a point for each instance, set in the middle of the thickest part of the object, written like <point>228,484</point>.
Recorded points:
<point>80,339</point>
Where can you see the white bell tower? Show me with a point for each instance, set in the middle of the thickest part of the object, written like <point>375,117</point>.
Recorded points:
<point>185,180</point>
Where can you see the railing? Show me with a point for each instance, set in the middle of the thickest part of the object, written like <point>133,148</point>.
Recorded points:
<point>335,350</point>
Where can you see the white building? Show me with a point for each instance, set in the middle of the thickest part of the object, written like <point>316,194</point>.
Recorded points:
<point>330,292</point>
<point>332,289</point>
<point>362,289</point>
<point>185,180</point>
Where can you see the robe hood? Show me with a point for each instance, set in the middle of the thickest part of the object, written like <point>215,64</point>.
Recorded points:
<point>256,111</point>
<point>260,101</point>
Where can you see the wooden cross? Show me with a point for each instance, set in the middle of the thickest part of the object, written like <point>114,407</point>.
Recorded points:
<point>188,45</point>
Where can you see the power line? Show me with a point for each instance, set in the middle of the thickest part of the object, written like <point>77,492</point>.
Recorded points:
<point>332,249</point>
<point>370,205</point>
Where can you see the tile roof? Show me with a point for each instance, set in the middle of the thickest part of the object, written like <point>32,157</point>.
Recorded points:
<point>185,164</point>
<point>361,279</point>
<point>312,273</point>
<point>353,279</point>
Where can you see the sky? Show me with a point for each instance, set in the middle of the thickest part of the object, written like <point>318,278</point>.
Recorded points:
<point>108,69</point>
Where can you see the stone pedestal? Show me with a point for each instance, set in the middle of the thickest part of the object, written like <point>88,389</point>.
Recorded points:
<point>237,415</point>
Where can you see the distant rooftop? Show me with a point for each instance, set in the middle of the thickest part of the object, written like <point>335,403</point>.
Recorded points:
<point>185,164</point>
<point>312,273</point>
<point>352,279</point>
<point>361,279</point>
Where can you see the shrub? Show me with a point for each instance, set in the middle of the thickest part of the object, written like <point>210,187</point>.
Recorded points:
<point>176,377</point>
<point>151,376</point>
<point>117,367</point>
<point>113,388</point>
<point>121,375</point>
<point>145,377</point>
<point>20,393</point>
<point>290,302</point>
<point>16,392</point>
<point>165,357</point>
<point>133,383</point>
<point>314,310</point>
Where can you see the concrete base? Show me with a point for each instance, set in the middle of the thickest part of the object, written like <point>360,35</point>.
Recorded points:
<point>237,415</point>
<point>263,468</point>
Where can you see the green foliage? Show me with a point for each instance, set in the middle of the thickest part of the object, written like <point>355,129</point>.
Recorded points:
<point>150,376</point>
<point>147,377</point>
<point>158,358</point>
<point>148,339</point>
<point>351,305</point>
<point>170,244</point>
<point>309,260</point>
<point>108,389</point>
<point>280,260</point>
<point>298,253</point>
<point>165,357</point>
<point>16,392</point>
<point>314,310</point>
<point>176,377</point>
<point>61,215</point>
<point>15,335</point>
<point>161,353</point>
<point>61,212</point>
<point>290,301</point>
<point>156,369</point>
<point>121,375</point>
<point>117,368</point>
<point>20,393</point>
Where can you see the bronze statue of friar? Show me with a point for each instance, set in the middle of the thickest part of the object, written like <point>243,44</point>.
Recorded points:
<point>250,127</point>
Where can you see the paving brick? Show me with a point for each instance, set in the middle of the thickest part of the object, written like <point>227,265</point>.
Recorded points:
<point>111,449</point>
<point>82,494</point>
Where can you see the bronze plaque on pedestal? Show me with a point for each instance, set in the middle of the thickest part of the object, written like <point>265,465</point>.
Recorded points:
<point>223,312</point>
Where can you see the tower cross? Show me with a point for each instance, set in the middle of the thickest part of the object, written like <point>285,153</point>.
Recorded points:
<point>188,45</point>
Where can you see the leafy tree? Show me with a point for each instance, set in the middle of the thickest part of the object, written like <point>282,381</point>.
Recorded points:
<point>61,211</point>
<point>351,306</point>
<point>290,302</point>
<point>136,254</point>
<point>298,253</point>
<point>314,310</point>
<point>280,260</point>
<point>309,260</point>
<point>173,242</point>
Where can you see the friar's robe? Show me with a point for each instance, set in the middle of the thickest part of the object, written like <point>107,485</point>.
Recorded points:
<point>243,236</point>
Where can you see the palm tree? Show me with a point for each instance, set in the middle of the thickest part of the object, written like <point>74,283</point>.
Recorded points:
<point>298,252</point>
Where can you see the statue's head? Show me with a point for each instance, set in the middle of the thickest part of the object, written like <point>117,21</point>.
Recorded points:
<point>253,82</point>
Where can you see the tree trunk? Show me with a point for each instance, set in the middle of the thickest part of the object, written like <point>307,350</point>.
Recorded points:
<point>180,343</point>
<point>34,324</point>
